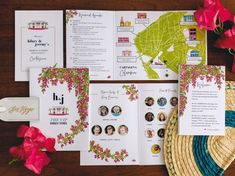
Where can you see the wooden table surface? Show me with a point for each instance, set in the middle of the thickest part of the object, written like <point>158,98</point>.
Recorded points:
<point>67,163</point>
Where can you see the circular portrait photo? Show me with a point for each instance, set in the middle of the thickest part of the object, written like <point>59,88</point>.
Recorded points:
<point>161,116</point>
<point>149,116</point>
<point>123,130</point>
<point>109,130</point>
<point>161,132</point>
<point>161,101</point>
<point>155,149</point>
<point>96,130</point>
<point>116,110</point>
<point>149,101</point>
<point>103,110</point>
<point>149,133</point>
<point>174,101</point>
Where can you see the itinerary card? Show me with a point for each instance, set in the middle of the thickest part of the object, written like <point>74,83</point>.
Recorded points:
<point>63,95</point>
<point>132,45</point>
<point>127,123</point>
<point>201,100</point>
<point>38,41</point>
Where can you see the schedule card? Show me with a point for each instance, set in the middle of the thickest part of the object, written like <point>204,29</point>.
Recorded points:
<point>133,45</point>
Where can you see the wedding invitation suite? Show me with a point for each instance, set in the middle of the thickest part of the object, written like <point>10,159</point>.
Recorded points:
<point>127,123</point>
<point>38,41</point>
<point>201,100</point>
<point>63,95</point>
<point>133,45</point>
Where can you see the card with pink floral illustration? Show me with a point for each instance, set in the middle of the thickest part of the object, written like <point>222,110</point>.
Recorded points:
<point>63,94</point>
<point>201,100</point>
<point>127,123</point>
<point>113,125</point>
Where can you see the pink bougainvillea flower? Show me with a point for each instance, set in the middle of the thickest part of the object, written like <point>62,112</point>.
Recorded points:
<point>33,148</point>
<point>206,18</point>
<point>21,131</point>
<point>32,133</point>
<point>37,161</point>
<point>224,13</point>
<point>211,17</point>
<point>50,144</point>
<point>230,32</point>
<point>210,13</point>
<point>227,40</point>
<point>17,152</point>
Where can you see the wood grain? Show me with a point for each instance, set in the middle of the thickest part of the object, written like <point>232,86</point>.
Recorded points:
<point>67,163</point>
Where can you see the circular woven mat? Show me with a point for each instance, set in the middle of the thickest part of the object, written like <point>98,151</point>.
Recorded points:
<point>201,155</point>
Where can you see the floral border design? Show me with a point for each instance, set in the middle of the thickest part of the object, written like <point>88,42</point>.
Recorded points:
<point>77,78</point>
<point>132,91</point>
<point>189,74</point>
<point>106,154</point>
<point>70,14</point>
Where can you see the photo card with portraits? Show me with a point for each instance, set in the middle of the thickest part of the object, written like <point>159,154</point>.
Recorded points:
<point>156,102</point>
<point>127,123</point>
<point>113,125</point>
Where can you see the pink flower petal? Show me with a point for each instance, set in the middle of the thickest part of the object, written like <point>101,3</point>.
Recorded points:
<point>21,131</point>
<point>50,144</point>
<point>37,161</point>
<point>32,133</point>
<point>224,13</point>
<point>17,152</point>
<point>40,139</point>
<point>225,43</point>
<point>230,32</point>
<point>206,18</point>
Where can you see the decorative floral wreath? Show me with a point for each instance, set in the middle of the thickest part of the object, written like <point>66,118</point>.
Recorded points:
<point>70,14</point>
<point>77,78</point>
<point>102,154</point>
<point>189,75</point>
<point>132,91</point>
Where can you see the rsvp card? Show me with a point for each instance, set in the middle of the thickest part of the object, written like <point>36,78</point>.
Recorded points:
<point>38,41</point>
<point>201,100</point>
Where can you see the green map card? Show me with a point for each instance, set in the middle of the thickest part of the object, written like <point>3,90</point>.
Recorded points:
<point>134,45</point>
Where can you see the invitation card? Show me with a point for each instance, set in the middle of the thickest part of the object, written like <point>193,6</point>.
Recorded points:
<point>201,100</point>
<point>63,95</point>
<point>133,45</point>
<point>127,123</point>
<point>38,41</point>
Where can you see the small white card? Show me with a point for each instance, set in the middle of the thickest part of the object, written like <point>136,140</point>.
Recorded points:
<point>63,95</point>
<point>13,109</point>
<point>38,41</point>
<point>201,100</point>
